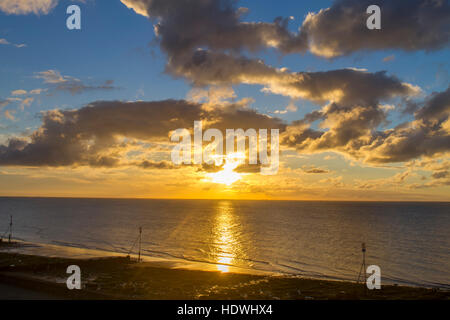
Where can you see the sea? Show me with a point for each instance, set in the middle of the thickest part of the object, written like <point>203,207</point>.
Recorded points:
<point>408,241</point>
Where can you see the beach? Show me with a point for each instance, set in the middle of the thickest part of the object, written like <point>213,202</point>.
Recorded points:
<point>40,277</point>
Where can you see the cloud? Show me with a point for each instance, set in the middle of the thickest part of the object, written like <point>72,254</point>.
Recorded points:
<point>355,132</point>
<point>291,107</point>
<point>208,68</point>
<point>336,182</point>
<point>149,164</point>
<point>78,138</point>
<point>316,170</point>
<point>389,58</point>
<point>6,42</point>
<point>407,25</point>
<point>53,77</point>
<point>26,103</point>
<point>19,92</point>
<point>37,91</point>
<point>343,125</point>
<point>9,114</point>
<point>397,180</point>
<point>184,25</point>
<point>440,174</point>
<point>427,135</point>
<point>70,84</point>
<point>248,168</point>
<point>439,168</point>
<point>20,7</point>
<point>204,43</point>
<point>4,103</point>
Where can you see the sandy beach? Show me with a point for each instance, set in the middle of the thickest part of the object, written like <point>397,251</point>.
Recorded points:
<point>24,276</point>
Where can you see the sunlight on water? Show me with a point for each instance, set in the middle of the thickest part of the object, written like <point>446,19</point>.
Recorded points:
<point>224,234</point>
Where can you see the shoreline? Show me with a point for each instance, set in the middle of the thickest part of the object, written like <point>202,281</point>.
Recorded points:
<point>116,277</point>
<point>73,252</point>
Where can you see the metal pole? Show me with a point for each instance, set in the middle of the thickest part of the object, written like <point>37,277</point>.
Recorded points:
<point>363,246</point>
<point>364,261</point>
<point>140,238</point>
<point>10,229</point>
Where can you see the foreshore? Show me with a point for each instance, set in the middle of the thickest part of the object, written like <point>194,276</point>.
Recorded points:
<point>24,276</point>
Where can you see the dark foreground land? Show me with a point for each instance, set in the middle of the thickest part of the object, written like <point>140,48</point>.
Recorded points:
<point>35,277</point>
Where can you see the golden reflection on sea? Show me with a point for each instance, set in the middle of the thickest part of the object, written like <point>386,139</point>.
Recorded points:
<point>226,232</point>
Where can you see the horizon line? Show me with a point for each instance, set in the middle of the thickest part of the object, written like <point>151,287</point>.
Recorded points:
<point>220,199</point>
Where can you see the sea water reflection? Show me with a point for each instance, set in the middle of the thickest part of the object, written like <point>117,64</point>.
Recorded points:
<point>227,237</point>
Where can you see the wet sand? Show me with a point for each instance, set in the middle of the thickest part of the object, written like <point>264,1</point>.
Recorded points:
<point>38,277</point>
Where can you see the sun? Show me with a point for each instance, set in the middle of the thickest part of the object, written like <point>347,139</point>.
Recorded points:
<point>227,175</point>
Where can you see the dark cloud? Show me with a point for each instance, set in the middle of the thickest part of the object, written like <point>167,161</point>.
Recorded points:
<point>149,164</point>
<point>77,87</point>
<point>354,113</point>
<point>440,175</point>
<point>248,168</point>
<point>94,135</point>
<point>345,124</point>
<point>436,109</point>
<point>78,137</point>
<point>407,25</point>
<point>427,135</point>
<point>355,131</point>
<point>242,168</point>
<point>90,135</point>
<point>204,42</point>
<point>316,170</point>
<point>210,167</point>
<point>70,84</point>
<point>185,25</point>
<point>4,103</point>
<point>345,85</point>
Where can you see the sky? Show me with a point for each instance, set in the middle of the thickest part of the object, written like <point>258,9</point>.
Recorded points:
<point>362,114</point>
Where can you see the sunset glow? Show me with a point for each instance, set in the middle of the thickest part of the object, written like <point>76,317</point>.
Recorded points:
<point>227,176</point>
<point>98,119</point>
